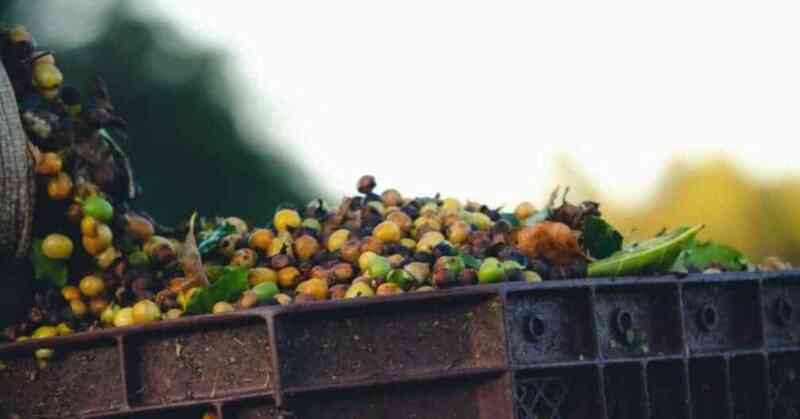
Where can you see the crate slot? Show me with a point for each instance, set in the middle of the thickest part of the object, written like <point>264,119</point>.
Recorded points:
<point>391,341</point>
<point>80,379</point>
<point>784,376</point>
<point>199,362</point>
<point>638,321</point>
<point>550,326</point>
<point>261,408</point>
<point>558,394</point>
<point>749,387</point>
<point>624,391</point>
<point>474,398</point>
<point>666,385</point>
<point>782,313</point>
<point>183,412</point>
<point>722,316</point>
<point>708,381</point>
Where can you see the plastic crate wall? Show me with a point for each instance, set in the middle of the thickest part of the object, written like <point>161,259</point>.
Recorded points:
<point>701,346</point>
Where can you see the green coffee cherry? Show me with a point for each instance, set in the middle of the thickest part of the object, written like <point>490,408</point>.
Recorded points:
<point>512,264</point>
<point>265,290</point>
<point>98,208</point>
<point>400,277</point>
<point>379,266</point>
<point>138,259</point>
<point>491,271</point>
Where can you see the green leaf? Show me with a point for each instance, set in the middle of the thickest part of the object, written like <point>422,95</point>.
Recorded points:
<point>400,277</point>
<point>213,237</point>
<point>652,255</point>
<point>510,218</point>
<point>600,238</point>
<point>699,256</point>
<point>228,287</point>
<point>214,272</point>
<point>470,261</point>
<point>45,269</point>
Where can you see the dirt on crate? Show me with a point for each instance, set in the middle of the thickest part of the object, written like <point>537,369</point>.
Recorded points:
<point>461,399</point>
<point>355,346</point>
<point>205,363</point>
<point>255,409</point>
<point>75,381</point>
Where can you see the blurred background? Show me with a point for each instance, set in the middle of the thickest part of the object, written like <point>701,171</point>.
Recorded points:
<point>667,114</point>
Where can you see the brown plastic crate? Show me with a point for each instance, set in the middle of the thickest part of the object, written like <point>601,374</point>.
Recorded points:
<point>707,346</point>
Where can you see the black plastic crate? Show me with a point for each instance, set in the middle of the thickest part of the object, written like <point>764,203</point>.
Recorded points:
<point>699,346</point>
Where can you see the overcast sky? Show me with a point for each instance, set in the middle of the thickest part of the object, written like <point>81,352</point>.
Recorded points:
<point>475,99</point>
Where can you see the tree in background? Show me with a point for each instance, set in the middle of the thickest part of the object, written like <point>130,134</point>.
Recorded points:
<point>759,218</point>
<point>186,148</point>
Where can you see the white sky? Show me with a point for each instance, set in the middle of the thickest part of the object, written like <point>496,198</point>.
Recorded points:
<point>475,99</point>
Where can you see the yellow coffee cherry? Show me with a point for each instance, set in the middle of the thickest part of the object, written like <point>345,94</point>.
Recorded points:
<point>260,275</point>
<point>50,164</point>
<point>365,259</point>
<point>481,220</point>
<point>278,244</point>
<point>305,247</point>
<point>283,299</point>
<point>458,232</point>
<point>388,288</point>
<point>337,239</point>
<point>288,276</point>
<point>59,186</point>
<point>173,313</point>
<point>388,232</point>
<point>429,210</point>
<point>286,219</point>
<point>408,243</point>
<point>524,211</point>
<point>57,246</point>
<point>70,293</point>
<point>145,311</point>
<point>107,316</point>
<point>107,257</point>
<point>124,317</point>
<point>401,219</point>
<point>391,198</point>
<point>315,287</point>
<point>260,239</point>
<point>139,228</point>
<point>19,33</point>
<point>89,226</point>
<point>43,332</point>
<point>96,245</point>
<point>78,308</point>
<point>532,276</point>
<point>359,289</point>
<point>451,204</point>
<point>64,329</point>
<point>244,258</point>
<point>92,286</point>
<point>222,307</point>
<point>428,241</point>
<point>47,76</point>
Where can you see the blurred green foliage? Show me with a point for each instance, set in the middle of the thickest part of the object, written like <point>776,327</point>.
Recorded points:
<point>187,151</point>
